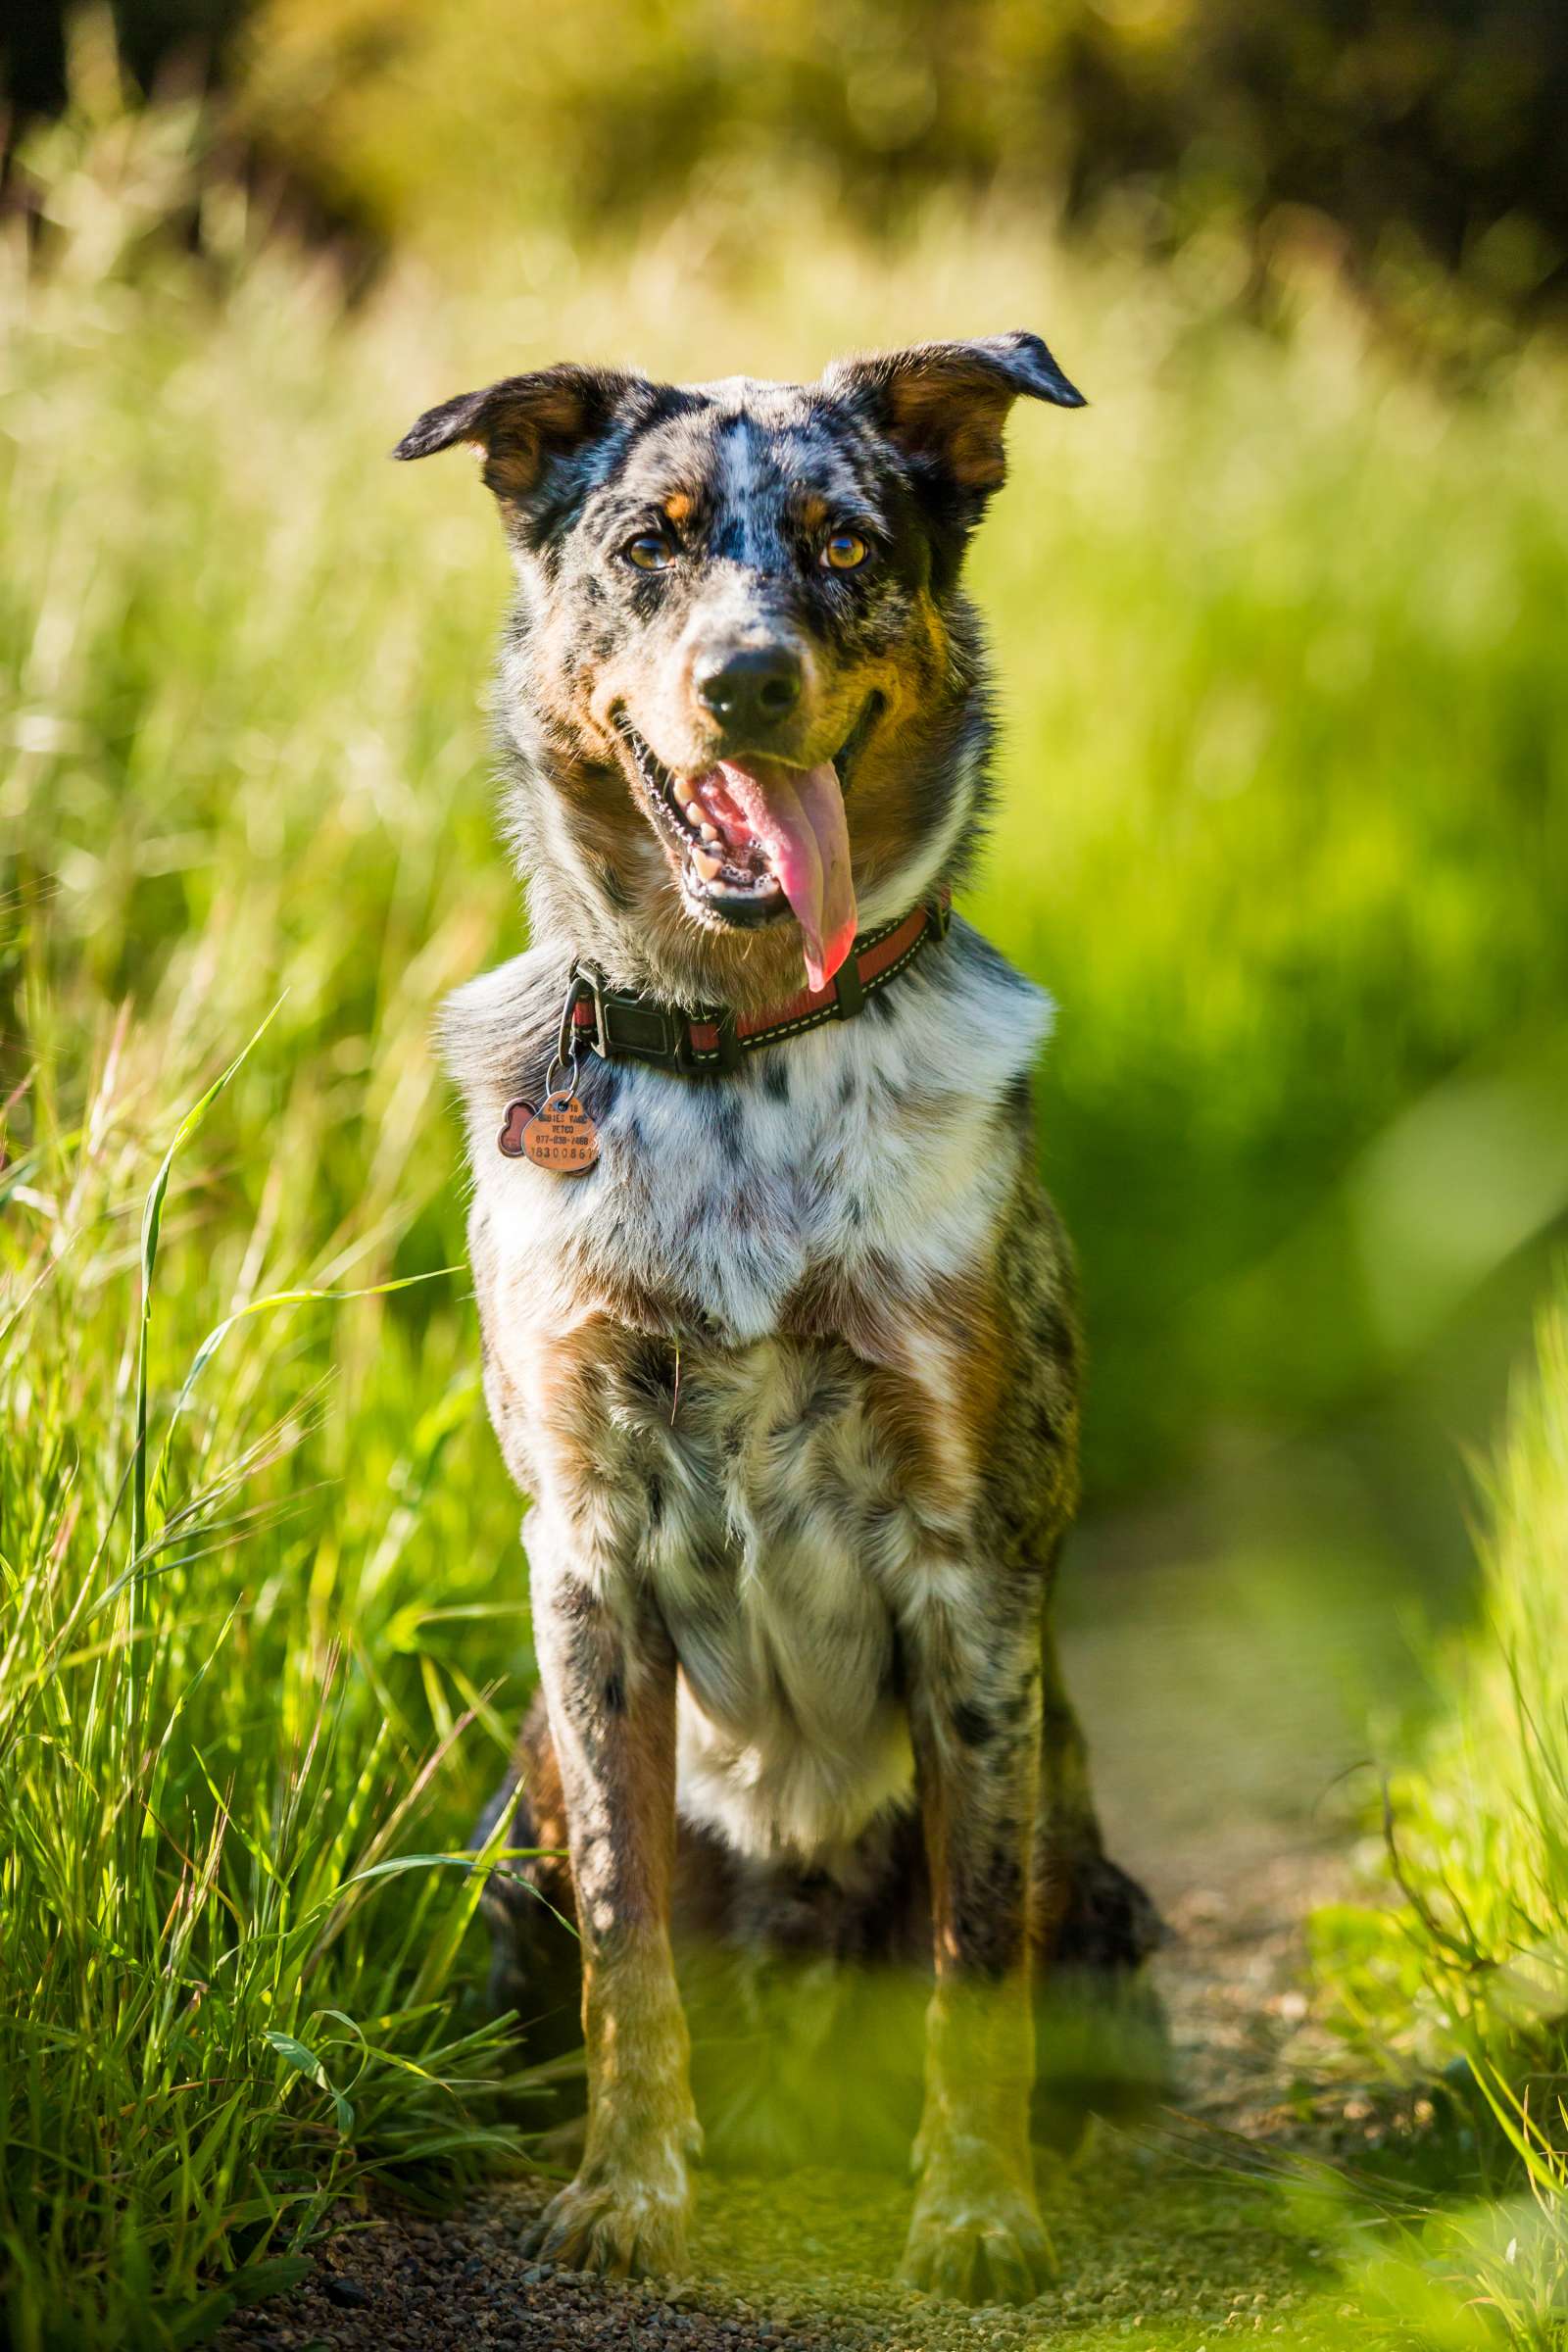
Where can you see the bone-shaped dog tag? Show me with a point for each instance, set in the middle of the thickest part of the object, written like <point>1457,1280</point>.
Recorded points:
<point>562,1137</point>
<point>514,1127</point>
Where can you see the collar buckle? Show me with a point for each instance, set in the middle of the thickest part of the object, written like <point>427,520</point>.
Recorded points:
<point>624,1028</point>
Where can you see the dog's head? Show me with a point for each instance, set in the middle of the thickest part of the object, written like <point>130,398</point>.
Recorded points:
<point>746,674</point>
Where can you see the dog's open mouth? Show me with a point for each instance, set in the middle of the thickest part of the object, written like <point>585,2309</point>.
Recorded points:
<point>760,838</point>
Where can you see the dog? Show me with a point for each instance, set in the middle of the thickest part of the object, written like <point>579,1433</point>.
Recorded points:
<point>780,1331</point>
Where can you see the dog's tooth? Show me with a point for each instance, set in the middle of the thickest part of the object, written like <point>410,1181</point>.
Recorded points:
<point>685,791</point>
<point>708,832</point>
<point>706,864</point>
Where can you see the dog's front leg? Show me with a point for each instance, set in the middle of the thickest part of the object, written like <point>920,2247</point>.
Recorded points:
<point>609,1675</point>
<point>974,1712</point>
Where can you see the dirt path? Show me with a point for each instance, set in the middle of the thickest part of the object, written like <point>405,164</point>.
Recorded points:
<point>1149,2236</point>
<point>1216,1742</point>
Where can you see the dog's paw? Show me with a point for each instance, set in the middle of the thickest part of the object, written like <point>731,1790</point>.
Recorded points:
<point>623,2217</point>
<point>976,2237</point>
<point>613,2227</point>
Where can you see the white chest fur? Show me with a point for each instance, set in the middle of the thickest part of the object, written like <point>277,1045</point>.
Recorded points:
<point>727,1194</point>
<point>876,1160</point>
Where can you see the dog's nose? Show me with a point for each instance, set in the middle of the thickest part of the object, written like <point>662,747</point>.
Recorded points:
<point>752,690</point>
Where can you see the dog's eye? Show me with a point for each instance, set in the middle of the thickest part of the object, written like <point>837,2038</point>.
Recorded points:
<point>845,551</point>
<point>649,552</point>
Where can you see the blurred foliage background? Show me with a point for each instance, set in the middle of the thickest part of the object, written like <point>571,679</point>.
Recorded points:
<point>1296,692</point>
<point>1403,134</point>
<point>1279,627</point>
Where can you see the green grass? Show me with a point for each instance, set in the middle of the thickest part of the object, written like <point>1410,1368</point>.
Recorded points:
<point>228,1965</point>
<point>1284,824</point>
<point>1461,1980</point>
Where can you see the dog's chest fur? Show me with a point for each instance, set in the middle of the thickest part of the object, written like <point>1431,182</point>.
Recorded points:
<point>724,1357</point>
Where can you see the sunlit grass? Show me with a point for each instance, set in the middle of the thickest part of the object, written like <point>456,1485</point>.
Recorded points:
<point>210,1787</point>
<point>1284,824</point>
<point>1462,1980</point>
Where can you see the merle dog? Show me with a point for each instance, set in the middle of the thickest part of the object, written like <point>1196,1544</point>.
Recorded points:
<point>779,1333</point>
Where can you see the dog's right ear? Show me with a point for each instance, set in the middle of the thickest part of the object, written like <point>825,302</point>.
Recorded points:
<point>526,426</point>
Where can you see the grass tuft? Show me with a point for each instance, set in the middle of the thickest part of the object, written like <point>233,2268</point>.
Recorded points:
<point>1458,1989</point>
<point>229,1981</point>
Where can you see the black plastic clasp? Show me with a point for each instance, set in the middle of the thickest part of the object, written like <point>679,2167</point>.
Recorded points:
<point>628,1028</point>
<point>641,1031</point>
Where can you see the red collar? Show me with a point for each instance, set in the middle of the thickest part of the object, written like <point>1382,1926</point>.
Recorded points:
<point>624,1026</point>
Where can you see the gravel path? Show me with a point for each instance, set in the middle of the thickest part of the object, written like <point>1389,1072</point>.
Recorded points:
<point>1217,1730</point>
<point>1149,2235</point>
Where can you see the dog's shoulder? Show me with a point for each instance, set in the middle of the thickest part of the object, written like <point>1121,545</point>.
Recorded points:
<point>979,1020</point>
<point>497,1033</point>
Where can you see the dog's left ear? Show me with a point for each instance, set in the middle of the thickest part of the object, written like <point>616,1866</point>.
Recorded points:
<point>524,425</point>
<point>946,402</point>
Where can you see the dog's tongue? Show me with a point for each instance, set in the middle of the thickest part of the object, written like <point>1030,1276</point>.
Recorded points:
<point>797,813</point>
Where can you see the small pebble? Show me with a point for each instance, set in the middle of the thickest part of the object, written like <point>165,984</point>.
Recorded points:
<point>347,2293</point>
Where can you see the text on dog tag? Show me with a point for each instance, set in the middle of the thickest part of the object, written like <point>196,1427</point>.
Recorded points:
<point>562,1137</point>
